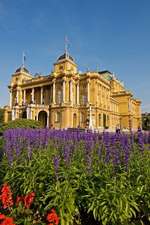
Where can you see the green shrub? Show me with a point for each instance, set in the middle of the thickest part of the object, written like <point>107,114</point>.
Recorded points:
<point>1,115</point>
<point>79,182</point>
<point>1,142</point>
<point>2,172</point>
<point>21,123</point>
<point>1,129</point>
<point>112,198</point>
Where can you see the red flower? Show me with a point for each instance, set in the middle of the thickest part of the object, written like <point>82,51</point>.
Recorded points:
<point>2,216</point>
<point>52,217</point>
<point>20,199</point>
<point>6,196</point>
<point>6,220</point>
<point>28,199</point>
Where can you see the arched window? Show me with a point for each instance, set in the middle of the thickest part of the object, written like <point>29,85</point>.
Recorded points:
<point>84,99</point>
<point>108,120</point>
<point>42,117</point>
<point>59,99</point>
<point>104,121</point>
<point>99,120</point>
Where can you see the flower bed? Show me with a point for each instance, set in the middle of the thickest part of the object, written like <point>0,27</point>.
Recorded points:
<point>81,178</point>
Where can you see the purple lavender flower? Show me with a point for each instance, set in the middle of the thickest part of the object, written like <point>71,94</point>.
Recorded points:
<point>140,140</point>
<point>56,162</point>
<point>126,148</point>
<point>88,153</point>
<point>99,152</point>
<point>114,148</point>
<point>107,146</point>
<point>67,155</point>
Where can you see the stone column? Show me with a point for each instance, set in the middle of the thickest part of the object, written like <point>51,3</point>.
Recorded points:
<point>54,101</point>
<point>101,96</point>
<point>78,94</point>
<point>88,92</point>
<point>10,98</point>
<point>28,113</point>
<point>64,90</point>
<point>32,95</point>
<point>41,95</point>
<point>37,116</point>
<point>73,93</point>
<point>71,100</point>
<point>47,120</point>
<point>24,96</point>
<point>90,118</point>
<point>13,114</point>
<point>17,97</point>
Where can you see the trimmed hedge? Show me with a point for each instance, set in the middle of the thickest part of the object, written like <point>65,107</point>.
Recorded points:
<point>21,123</point>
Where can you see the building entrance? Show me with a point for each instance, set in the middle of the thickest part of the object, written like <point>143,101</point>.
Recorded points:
<point>42,117</point>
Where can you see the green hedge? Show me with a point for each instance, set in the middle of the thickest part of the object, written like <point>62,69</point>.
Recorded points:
<point>21,123</point>
<point>1,115</point>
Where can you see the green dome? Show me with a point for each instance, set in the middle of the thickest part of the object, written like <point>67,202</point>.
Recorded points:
<point>65,56</point>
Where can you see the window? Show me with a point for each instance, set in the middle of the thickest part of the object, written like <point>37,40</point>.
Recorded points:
<point>99,119</point>
<point>43,100</point>
<point>81,117</point>
<point>61,67</point>
<point>76,96</point>
<point>84,99</point>
<point>108,120</point>
<point>59,97</point>
<point>104,120</point>
<point>70,90</point>
<point>57,117</point>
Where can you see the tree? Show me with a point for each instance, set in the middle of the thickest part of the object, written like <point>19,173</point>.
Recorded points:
<point>1,115</point>
<point>146,121</point>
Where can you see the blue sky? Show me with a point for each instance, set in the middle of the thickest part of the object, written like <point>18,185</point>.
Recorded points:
<point>104,34</point>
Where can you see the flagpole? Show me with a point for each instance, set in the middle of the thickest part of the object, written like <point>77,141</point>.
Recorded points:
<point>23,59</point>
<point>66,46</point>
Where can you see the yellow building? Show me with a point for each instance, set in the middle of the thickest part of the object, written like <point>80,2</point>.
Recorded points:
<point>66,98</point>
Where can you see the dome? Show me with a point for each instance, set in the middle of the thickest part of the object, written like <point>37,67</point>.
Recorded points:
<point>65,56</point>
<point>22,69</point>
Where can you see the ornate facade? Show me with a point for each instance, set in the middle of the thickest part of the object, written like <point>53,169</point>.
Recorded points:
<point>67,98</point>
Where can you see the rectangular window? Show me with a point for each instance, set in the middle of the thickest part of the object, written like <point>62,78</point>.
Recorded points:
<point>99,119</point>
<point>57,117</point>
